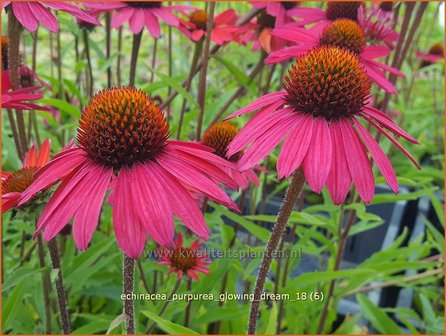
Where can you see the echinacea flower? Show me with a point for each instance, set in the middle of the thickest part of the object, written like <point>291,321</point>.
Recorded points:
<point>435,54</point>
<point>259,31</point>
<point>31,13</point>
<point>140,14</point>
<point>341,33</point>
<point>218,137</point>
<point>377,23</point>
<point>13,184</point>
<point>281,11</point>
<point>122,142</point>
<point>184,260</point>
<point>335,10</point>
<point>17,99</point>
<point>326,91</point>
<point>222,30</point>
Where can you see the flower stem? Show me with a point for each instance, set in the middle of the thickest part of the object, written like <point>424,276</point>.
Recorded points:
<point>339,253</point>
<point>189,304</point>
<point>89,71</point>
<point>204,68</point>
<point>169,51</point>
<point>60,288</point>
<point>257,69</point>
<point>163,309</point>
<point>118,61</point>
<point>128,270</point>
<point>108,45</point>
<point>190,77</point>
<point>155,45</point>
<point>143,277</point>
<point>134,57</point>
<point>291,196</point>
<point>46,283</point>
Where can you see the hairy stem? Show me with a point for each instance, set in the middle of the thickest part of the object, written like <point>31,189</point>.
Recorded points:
<point>291,196</point>
<point>128,270</point>
<point>60,288</point>
<point>46,284</point>
<point>204,68</point>
<point>134,58</point>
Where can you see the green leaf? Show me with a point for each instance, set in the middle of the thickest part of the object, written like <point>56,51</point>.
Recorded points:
<point>168,326</point>
<point>94,327</point>
<point>18,275</point>
<point>272,320</point>
<point>173,83</point>
<point>116,323</point>
<point>379,320</point>
<point>234,69</point>
<point>63,106</point>
<point>12,304</point>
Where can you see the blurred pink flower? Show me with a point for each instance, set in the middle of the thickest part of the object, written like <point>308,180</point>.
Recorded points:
<point>31,13</point>
<point>342,33</point>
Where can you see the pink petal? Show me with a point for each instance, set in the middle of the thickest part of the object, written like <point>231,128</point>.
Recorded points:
<point>44,153</point>
<point>259,103</point>
<point>317,161</point>
<point>151,204</point>
<point>386,122</point>
<point>61,165</point>
<point>388,136</point>
<point>380,158</point>
<point>258,125</point>
<point>308,15</point>
<point>193,177</point>
<point>166,16</point>
<point>68,197</point>
<point>87,216</point>
<point>9,200</point>
<point>137,20</point>
<point>371,52</point>
<point>121,16</point>
<point>339,180</point>
<point>201,152</point>
<point>45,17</point>
<point>152,23</point>
<point>206,167</point>
<point>265,143</point>
<point>30,157</point>
<point>129,231</point>
<point>228,16</point>
<point>71,9</point>
<point>197,34</point>
<point>286,54</point>
<point>379,78</point>
<point>181,201</point>
<point>297,35</point>
<point>295,147</point>
<point>25,16</point>
<point>358,162</point>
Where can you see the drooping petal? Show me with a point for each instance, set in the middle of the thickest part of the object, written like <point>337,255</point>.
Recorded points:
<point>68,197</point>
<point>136,22</point>
<point>73,10</point>
<point>265,143</point>
<point>25,16</point>
<point>87,216</point>
<point>379,78</point>
<point>152,205</point>
<point>297,35</point>
<point>121,16</point>
<point>152,23</point>
<point>130,233</point>
<point>375,51</point>
<point>295,147</point>
<point>166,16</point>
<point>259,103</point>
<point>225,17</point>
<point>317,161</point>
<point>339,179</point>
<point>380,158</point>
<point>45,17</point>
<point>396,143</point>
<point>258,125</point>
<point>388,123</point>
<point>9,201</point>
<point>192,176</point>
<point>61,165</point>
<point>286,54</point>
<point>200,152</point>
<point>358,162</point>
<point>181,201</point>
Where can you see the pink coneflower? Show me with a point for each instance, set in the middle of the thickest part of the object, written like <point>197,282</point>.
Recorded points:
<point>342,33</point>
<point>123,135</point>
<point>281,11</point>
<point>140,14</point>
<point>184,260</point>
<point>31,13</point>
<point>335,10</point>
<point>377,23</point>
<point>218,137</point>
<point>17,99</point>
<point>434,55</point>
<point>222,30</point>
<point>13,184</point>
<point>326,91</point>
